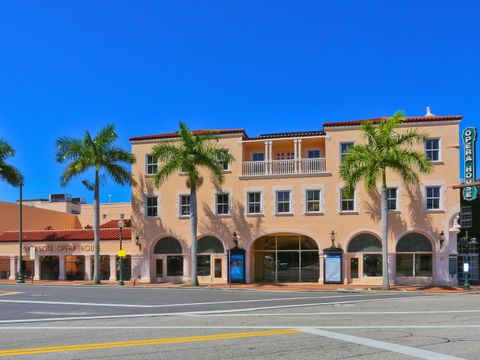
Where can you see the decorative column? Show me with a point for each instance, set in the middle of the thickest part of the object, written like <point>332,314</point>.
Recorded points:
<point>37,268</point>
<point>187,274</point>
<point>13,268</point>
<point>88,267</point>
<point>345,268</point>
<point>266,157</point>
<point>270,157</point>
<point>295,155</point>
<point>61,266</point>
<point>320,258</point>
<point>391,268</point>
<point>299,151</point>
<point>113,268</point>
<point>225,267</point>
<point>248,279</point>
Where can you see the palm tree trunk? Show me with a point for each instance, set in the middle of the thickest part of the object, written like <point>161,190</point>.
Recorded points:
<point>96,230</point>
<point>384,217</point>
<point>193,224</point>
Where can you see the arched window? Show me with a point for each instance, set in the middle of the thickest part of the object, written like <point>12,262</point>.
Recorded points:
<point>170,250</point>
<point>365,243</point>
<point>209,245</point>
<point>371,258</point>
<point>168,245</point>
<point>206,247</point>
<point>414,256</point>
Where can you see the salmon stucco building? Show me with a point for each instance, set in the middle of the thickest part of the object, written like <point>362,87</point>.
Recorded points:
<point>282,202</point>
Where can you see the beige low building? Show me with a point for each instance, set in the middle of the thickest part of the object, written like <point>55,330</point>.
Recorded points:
<point>282,197</point>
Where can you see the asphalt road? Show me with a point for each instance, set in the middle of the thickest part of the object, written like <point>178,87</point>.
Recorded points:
<point>73,322</point>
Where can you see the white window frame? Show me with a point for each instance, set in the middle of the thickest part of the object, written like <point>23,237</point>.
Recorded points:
<point>146,197</point>
<point>440,197</point>
<point>289,202</point>
<point>228,204</point>
<point>343,154</point>
<point>439,148</point>
<point>340,198</point>
<point>260,203</point>
<point>320,196</point>
<point>181,205</point>
<point>228,163</point>
<point>147,164</point>
<point>396,198</point>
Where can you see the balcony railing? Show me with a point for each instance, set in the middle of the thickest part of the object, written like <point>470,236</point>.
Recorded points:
<point>284,167</point>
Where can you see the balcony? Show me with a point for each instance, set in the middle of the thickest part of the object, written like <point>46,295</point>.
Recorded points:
<point>284,167</point>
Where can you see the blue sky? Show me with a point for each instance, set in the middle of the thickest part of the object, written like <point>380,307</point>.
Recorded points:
<point>266,66</point>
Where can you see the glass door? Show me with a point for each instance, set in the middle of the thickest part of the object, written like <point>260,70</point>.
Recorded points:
<point>159,270</point>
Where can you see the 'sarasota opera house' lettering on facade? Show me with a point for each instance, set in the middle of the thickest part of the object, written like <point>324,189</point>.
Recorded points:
<point>282,197</point>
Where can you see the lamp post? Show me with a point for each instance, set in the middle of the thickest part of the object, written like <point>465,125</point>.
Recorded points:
<point>121,223</point>
<point>20,278</point>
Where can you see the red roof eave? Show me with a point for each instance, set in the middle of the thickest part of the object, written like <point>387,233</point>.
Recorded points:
<point>196,132</point>
<point>65,235</point>
<point>407,120</point>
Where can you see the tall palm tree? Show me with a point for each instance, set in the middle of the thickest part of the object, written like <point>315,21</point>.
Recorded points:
<point>386,149</point>
<point>189,154</point>
<point>99,154</point>
<point>8,173</point>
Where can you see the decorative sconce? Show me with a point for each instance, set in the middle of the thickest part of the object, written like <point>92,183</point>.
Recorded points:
<point>138,243</point>
<point>332,237</point>
<point>442,239</point>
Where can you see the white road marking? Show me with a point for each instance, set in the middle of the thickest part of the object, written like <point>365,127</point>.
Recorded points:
<point>11,293</point>
<point>217,327</point>
<point>187,313</point>
<point>58,313</point>
<point>401,349</point>
<point>349,313</point>
<point>172,305</point>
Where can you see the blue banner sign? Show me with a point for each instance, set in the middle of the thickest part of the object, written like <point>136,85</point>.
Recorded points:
<point>237,267</point>
<point>469,140</point>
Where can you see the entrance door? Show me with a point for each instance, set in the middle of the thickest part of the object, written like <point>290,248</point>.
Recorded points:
<point>354,268</point>
<point>218,268</point>
<point>159,270</point>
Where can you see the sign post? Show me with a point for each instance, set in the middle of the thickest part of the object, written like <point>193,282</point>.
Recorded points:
<point>466,266</point>
<point>469,140</point>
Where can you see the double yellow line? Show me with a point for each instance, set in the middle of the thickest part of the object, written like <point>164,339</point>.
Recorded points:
<point>132,343</point>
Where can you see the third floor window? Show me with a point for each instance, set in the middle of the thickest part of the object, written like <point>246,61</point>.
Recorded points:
<point>344,146</point>
<point>432,149</point>
<point>152,165</point>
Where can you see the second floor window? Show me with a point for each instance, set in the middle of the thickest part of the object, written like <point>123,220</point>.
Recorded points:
<point>432,194</point>
<point>313,154</point>
<point>344,149</point>
<point>432,149</point>
<point>258,156</point>
<point>347,203</point>
<point>152,206</point>
<point>313,201</point>
<point>283,202</point>
<point>223,204</point>
<point>184,205</point>
<point>254,202</point>
<point>392,198</point>
<point>152,165</point>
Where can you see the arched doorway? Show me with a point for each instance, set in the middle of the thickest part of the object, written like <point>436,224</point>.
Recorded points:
<point>210,258</point>
<point>414,257</point>
<point>364,254</point>
<point>168,256</point>
<point>285,258</point>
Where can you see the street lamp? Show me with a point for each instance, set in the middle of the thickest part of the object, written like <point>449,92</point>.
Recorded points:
<point>121,223</point>
<point>20,278</point>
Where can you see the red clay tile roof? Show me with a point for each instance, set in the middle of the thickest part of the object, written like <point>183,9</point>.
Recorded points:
<point>407,120</point>
<point>66,235</point>
<point>111,224</point>
<point>288,135</point>
<point>175,134</point>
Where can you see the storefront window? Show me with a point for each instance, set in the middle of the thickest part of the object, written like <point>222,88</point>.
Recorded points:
<point>174,265</point>
<point>372,265</point>
<point>74,267</point>
<point>49,267</point>
<point>414,256</point>
<point>203,265</point>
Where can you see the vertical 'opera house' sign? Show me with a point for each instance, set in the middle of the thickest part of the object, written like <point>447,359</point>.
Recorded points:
<point>469,140</point>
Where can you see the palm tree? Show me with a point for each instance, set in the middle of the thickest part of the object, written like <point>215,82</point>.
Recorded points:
<point>188,154</point>
<point>8,173</point>
<point>99,154</point>
<point>386,149</point>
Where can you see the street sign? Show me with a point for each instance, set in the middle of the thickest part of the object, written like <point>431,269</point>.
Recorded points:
<point>469,136</point>
<point>32,252</point>
<point>122,253</point>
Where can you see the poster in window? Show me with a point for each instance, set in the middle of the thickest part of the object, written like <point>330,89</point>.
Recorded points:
<point>333,268</point>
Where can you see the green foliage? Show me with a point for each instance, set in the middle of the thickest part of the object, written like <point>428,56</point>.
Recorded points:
<point>188,154</point>
<point>386,148</point>
<point>8,173</point>
<point>98,153</point>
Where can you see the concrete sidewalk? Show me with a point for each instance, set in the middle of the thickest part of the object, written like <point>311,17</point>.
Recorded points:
<point>265,287</point>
